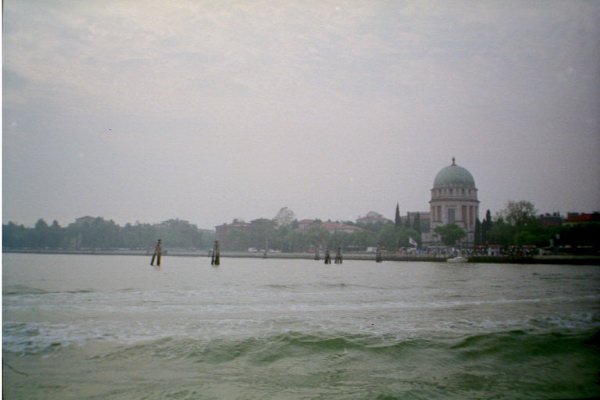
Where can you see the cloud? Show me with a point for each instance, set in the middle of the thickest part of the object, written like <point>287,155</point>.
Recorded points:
<point>285,102</point>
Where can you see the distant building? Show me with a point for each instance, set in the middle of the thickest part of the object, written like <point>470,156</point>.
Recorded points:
<point>454,201</point>
<point>424,223</point>
<point>305,224</point>
<point>329,226</point>
<point>424,218</point>
<point>578,218</point>
<point>333,227</point>
<point>551,220</point>
<point>222,232</point>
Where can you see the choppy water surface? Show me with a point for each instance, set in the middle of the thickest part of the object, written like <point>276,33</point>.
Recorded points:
<point>112,327</point>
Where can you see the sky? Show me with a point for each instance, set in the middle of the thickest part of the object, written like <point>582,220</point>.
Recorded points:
<point>208,111</point>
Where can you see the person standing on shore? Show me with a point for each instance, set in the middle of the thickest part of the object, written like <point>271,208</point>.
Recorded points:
<point>157,253</point>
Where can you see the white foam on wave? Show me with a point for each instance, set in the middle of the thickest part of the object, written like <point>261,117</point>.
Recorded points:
<point>133,315</point>
<point>40,337</point>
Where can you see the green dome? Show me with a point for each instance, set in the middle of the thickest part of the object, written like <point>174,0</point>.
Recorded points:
<point>453,175</point>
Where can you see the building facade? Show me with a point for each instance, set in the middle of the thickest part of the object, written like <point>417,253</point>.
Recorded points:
<point>454,201</point>
<point>223,232</point>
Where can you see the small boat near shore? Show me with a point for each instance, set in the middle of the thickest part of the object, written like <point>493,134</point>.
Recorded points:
<point>457,259</point>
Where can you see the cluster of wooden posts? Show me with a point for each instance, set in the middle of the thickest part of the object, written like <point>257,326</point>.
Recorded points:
<point>215,258</point>
<point>338,256</point>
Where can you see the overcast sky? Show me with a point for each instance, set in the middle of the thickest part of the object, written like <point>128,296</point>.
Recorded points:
<point>213,110</point>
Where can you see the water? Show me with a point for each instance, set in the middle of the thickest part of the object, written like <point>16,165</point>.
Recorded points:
<point>112,327</point>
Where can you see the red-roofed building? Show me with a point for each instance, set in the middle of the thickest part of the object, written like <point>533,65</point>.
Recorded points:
<point>306,224</point>
<point>578,218</point>
<point>333,227</point>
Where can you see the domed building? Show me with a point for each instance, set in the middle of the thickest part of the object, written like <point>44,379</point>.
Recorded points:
<point>454,201</point>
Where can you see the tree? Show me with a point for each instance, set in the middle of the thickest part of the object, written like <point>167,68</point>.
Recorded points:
<point>486,227</point>
<point>501,232</point>
<point>404,237</point>
<point>518,224</point>
<point>519,213</point>
<point>362,239</point>
<point>477,240</point>
<point>338,239</point>
<point>41,233</point>
<point>14,236</point>
<point>317,236</point>
<point>388,237</point>
<point>417,223</point>
<point>284,217</point>
<point>55,235</point>
<point>261,231</point>
<point>450,233</point>
<point>180,233</point>
<point>97,233</point>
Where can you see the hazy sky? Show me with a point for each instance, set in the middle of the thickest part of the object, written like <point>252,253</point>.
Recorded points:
<point>214,110</point>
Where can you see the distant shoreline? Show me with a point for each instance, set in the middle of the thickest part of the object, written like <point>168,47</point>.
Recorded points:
<point>549,259</point>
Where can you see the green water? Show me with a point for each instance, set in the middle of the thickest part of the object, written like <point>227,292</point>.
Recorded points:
<point>294,329</point>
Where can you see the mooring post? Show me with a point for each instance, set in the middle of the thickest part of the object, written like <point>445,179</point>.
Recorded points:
<point>378,257</point>
<point>266,248</point>
<point>216,256</point>
<point>338,255</point>
<point>157,253</point>
<point>327,257</point>
<point>317,258</point>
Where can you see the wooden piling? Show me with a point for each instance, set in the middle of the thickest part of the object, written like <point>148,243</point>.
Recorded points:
<point>338,255</point>
<point>157,254</point>
<point>216,255</point>
<point>327,257</point>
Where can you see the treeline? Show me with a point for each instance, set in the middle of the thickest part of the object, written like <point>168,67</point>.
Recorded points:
<point>288,238</point>
<point>97,233</point>
<point>519,225</point>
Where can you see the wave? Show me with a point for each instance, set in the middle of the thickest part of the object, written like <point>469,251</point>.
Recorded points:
<point>279,286</point>
<point>27,290</point>
<point>22,289</point>
<point>518,344</point>
<point>324,285</point>
<point>508,364</point>
<point>300,329</point>
<point>513,345</point>
<point>263,350</point>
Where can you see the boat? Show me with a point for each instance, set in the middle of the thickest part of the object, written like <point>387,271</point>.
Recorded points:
<point>457,259</point>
